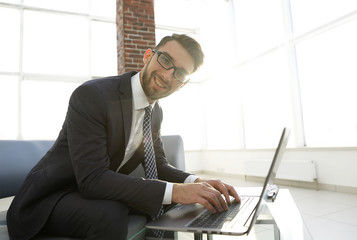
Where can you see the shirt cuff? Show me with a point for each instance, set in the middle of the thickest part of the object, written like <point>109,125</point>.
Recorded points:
<point>168,193</point>
<point>191,179</point>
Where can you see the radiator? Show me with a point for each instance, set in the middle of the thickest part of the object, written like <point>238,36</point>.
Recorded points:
<point>297,170</point>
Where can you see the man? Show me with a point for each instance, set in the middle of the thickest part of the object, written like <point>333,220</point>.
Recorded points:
<point>81,187</point>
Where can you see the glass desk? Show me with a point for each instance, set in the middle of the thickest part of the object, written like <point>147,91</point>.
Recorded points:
<point>282,214</point>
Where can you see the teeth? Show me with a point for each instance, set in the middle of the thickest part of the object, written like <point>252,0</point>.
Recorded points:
<point>158,83</point>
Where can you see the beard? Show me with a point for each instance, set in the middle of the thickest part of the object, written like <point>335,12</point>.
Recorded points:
<point>150,91</point>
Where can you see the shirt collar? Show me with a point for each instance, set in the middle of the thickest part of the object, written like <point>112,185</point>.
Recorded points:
<point>139,98</point>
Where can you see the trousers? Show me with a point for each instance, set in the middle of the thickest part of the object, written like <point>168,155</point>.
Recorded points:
<point>75,216</point>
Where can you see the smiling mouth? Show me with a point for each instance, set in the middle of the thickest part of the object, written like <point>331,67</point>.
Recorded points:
<point>158,82</point>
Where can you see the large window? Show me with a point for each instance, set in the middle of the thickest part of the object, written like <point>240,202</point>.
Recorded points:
<point>47,49</point>
<point>328,77</point>
<point>269,64</point>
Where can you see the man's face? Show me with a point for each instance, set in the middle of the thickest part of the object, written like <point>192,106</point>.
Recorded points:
<point>158,82</point>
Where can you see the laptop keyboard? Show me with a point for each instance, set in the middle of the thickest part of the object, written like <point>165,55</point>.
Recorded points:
<point>208,220</point>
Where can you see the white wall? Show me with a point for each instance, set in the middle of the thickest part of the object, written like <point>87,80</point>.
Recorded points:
<point>335,166</point>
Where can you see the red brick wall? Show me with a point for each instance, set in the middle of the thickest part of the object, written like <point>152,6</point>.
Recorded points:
<point>135,32</point>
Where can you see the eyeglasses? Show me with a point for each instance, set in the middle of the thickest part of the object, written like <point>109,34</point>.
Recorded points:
<point>179,74</point>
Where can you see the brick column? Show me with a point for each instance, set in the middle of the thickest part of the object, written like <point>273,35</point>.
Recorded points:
<point>135,32</point>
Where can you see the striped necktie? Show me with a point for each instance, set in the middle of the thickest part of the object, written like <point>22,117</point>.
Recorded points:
<point>150,162</point>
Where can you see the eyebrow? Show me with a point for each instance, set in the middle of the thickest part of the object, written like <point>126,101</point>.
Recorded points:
<point>173,60</point>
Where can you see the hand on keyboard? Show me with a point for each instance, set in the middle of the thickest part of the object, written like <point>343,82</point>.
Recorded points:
<point>225,189</point>
<point>207,192</point>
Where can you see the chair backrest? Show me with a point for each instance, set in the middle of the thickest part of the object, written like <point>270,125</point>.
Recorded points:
<point>174,151</point>
<point>17,158</point>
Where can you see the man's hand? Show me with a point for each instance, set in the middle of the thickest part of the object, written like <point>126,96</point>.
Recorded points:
<point>207,192</point>
<point>225,189</point>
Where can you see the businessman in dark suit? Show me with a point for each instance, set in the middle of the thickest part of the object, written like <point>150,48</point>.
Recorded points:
<point>81,187</point>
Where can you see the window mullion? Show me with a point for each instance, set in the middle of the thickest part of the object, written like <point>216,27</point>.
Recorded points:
<point>21,75</point>
<point>294,76</point>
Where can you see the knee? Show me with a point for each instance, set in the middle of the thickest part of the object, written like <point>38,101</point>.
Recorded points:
<point>111,221</point>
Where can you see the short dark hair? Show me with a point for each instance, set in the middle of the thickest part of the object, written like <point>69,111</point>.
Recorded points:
<point>190,44</point>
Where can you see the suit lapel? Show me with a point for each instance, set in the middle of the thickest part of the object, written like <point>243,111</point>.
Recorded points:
<point>126,100</point>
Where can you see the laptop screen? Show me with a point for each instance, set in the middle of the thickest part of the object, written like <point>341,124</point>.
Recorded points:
<point>279,152</point>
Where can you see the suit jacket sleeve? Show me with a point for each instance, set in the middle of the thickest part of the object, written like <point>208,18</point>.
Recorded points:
<point>87,122</point>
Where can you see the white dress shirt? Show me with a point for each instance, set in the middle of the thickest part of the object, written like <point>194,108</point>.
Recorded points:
<point>136,133</point>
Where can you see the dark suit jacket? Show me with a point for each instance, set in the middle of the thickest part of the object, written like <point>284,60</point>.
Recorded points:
<point>85,156</point>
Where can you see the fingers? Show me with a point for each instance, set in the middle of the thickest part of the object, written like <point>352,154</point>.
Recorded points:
<point>202,193</point>
<point>226,189</point>
<point>212,199</point>
<point>233,192</point>
<point>208,193</point>
<point>210,203</point>
<point>217,184</point>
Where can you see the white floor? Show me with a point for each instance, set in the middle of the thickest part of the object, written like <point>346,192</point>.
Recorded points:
<point>327,215</point>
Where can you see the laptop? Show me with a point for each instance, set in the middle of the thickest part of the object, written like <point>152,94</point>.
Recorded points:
<point>240,217</point>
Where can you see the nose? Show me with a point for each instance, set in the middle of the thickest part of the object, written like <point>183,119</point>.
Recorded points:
<point>169,74</point>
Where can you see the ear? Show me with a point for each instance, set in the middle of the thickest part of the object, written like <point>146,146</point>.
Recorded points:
<point>147,56</point>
